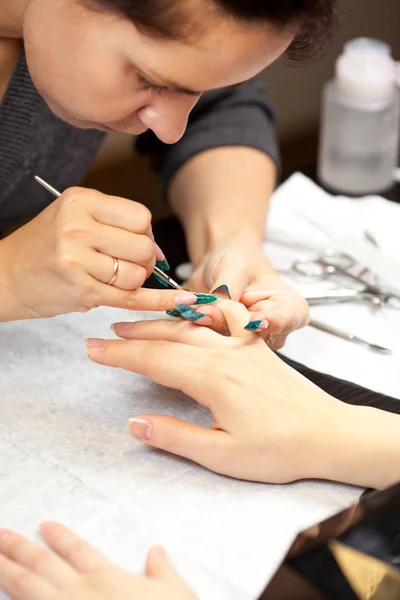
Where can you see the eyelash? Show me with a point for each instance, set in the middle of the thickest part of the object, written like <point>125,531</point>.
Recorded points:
<point>156,89</point>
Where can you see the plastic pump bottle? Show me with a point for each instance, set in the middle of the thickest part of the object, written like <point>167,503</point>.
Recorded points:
<point>360,123</point>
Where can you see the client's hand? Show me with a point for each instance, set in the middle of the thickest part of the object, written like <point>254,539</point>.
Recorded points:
<point>270,423</point>
<point>78,572</point>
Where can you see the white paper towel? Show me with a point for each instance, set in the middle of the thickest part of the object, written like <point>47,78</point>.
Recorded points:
<point>306,220</point>
<point>65,456</point>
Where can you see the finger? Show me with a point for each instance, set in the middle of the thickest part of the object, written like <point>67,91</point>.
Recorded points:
<point>117,212</point>
<point>237,317</point>
<point>19,584</point>
<point>220,272</point>
<point>36,559</point>
<point>275,342</point>
<point>174,365</point>
<point>78,553</point>
<point>232,279</point>
<point>207,447</point>
<point>168,331</point>
<point>285,312</point>
<point>216,320</point>
<point>129,277</point>
<point>142,299</point>
<point>125,245</point>
<point>159,567</point>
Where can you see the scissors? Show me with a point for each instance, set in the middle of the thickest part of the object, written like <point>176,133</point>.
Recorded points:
<point>332,263</point>
<point>156,270</point>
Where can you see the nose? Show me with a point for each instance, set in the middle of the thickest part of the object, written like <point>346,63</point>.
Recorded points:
<point>168,117</point>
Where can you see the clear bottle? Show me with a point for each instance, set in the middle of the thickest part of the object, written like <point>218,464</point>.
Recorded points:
<point>360,134</point>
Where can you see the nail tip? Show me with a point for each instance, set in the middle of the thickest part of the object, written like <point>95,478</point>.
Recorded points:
<point>163,283</point>
<point>205,298</point>
<point>253,325</point>
<point>188,313</point>
<point>173,313</point>
<point>223,290</point>
<point>163,265</point>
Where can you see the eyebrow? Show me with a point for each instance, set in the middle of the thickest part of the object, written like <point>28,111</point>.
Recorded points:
<point>174,87</point>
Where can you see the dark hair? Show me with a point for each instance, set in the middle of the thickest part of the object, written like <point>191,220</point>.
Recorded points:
<point>314,20</point>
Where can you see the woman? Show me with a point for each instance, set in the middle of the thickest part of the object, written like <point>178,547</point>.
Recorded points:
<point>270,425</point>
<point>71,70</point>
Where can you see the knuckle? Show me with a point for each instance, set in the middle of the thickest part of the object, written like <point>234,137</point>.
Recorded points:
<point>147,247</point>
<point>143,217</point>
<point>67,263</point>
<point>71,197</point>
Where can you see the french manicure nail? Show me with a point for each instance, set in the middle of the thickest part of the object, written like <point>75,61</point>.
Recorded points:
<point>173,313</point>
<point>188,313</point>
<point>94,345</point>
<point>163,265</point>
<point>260,325</point>
<point>205,298</point>
<point>223,291</point>
<point>121,327</point>
<point>141,429</point>
<point>205,320</point>
<point>192,299</point>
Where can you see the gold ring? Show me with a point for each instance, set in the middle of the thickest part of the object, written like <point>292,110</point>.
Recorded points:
<point>115,273</point>
<point>271,340</point>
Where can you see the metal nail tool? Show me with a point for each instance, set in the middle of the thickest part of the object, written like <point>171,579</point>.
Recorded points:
<point>339,296</point>
<point>333,263</point>
<point>350,337</point>
<point>156,270</point>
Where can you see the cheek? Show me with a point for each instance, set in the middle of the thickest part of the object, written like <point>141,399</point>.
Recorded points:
<point>80,83</point>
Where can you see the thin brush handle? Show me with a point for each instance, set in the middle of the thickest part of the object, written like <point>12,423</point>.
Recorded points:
<point>156,270</point>
<point>48,187</point>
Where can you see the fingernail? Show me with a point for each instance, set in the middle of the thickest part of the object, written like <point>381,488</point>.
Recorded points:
<point>223,291</point>
<point>205,298</point>
<point>94,345</point>
<point>164,283</point>
<point>163,265</point>
<point>195,299</point>
<point>141,429</point>
<point>188,313</point>
<point>260,325</point>
<point>205,320</point>
<point>121,327</point>
<point>159,552</point>
<point>3,535</point>
<point>173,313</point>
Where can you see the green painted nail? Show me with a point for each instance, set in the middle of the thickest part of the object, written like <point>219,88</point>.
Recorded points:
<point>223,291</point>
<point>188,313</point>
<point>253,325</point>
<point>164,283</point>
<point>173,313</point>
<point>163,265</point>
<point>205,298</point>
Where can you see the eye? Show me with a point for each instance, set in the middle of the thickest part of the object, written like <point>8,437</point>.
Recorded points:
<point>152,87</point>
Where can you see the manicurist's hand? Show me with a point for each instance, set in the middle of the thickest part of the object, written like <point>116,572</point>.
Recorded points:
<point>276,310</point>
<point>63,259</point>
<point>270,424</point>
<point>75,571</point>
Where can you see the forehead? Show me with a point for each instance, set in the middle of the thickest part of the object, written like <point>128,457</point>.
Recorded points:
<point>224,53</point>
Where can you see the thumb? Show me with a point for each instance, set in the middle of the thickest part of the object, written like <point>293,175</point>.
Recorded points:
<point>207,447</point>
<point>158,566</point>
<point>222,272</point>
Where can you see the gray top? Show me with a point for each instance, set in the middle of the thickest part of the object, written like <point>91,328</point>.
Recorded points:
<point>34,141</point>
